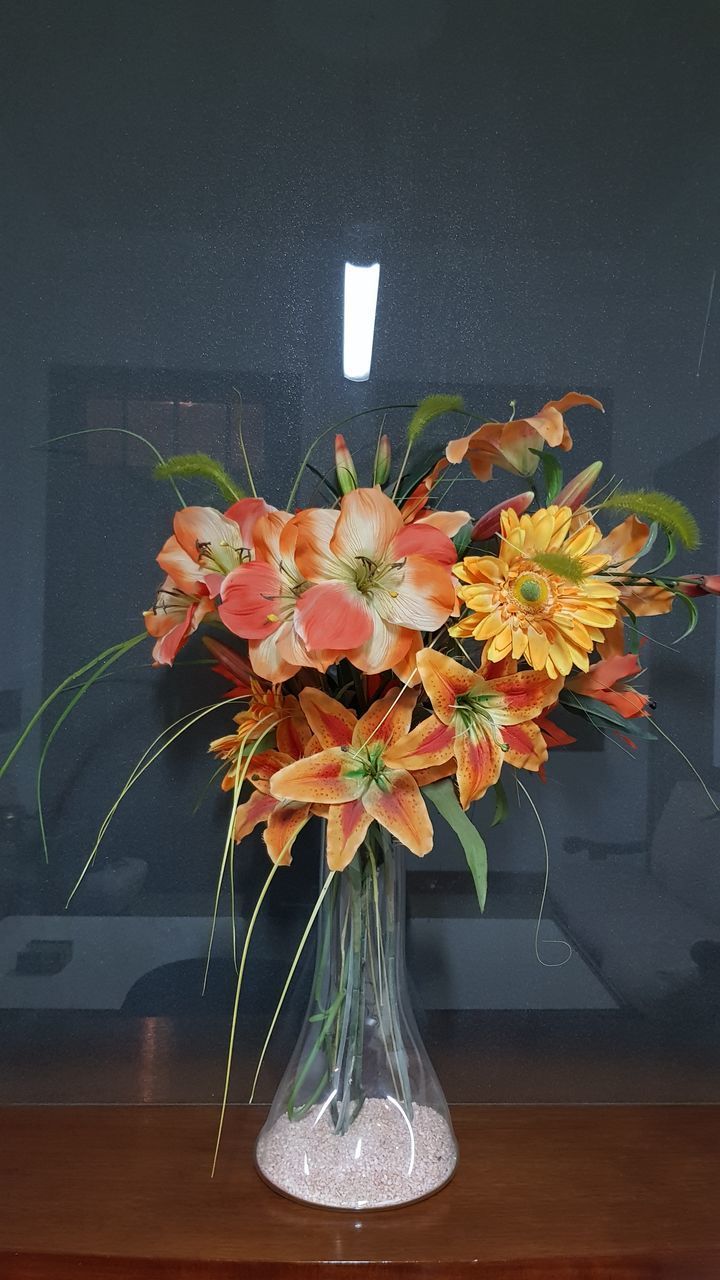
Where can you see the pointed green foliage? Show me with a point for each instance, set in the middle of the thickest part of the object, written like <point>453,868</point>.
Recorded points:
<point>661,508</point>
<point>631,629</point>
<point>592,709</point>
<point>428,409</point>
<point>199,466</point>
<point>552,474</point>
<point>462,540</point>
<point>692,612</point>
<point>442,794</point>
<point>501,805</point>
<point>563,566</point>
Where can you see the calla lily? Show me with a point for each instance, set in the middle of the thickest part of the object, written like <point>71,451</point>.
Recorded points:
<point>489,524</point>
<point>480,722</point>
<point>374,581</point>
<point>510,445</point>
<point>358,774</point>
<point>176,614</point>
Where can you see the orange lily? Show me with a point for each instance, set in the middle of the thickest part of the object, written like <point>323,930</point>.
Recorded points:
<point>374,580</point>
<point>606,682</point>
<point>359,774</point>
<point>480,722</point>
<point>267,709</point>
<point>284,819</point>
<point>509,445</point>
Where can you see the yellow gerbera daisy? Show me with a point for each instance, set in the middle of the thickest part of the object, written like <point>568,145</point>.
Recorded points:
<point>522,610</point>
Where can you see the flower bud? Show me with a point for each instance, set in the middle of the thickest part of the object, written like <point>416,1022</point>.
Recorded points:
<point>383,461</point>
<point>489,524</point>
<point>577,490</point>
<point>344,466</point>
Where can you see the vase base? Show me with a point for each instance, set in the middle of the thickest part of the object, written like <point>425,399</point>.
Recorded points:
<point>383,1159</point>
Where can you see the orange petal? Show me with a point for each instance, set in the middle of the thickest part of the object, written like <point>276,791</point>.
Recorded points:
<point>246,514</point>
<point>430,743</point>
<point>330,777</point>
<point>443,679</point>
<point>366,526</point>
<point>181,567</point>
<point>406,669</point>
<point>313,530</point>
<point>435,773</point>
<point>399,807</point>
<point>347,825</point>
<point>625,542</point>
<point>386,647</point>
<point>333,615</point>
<point>329,720</point>
<point>249,596</point>
<point>479,761</point>
<point>285,824</point>
<point>423,539</point>
<point>267,661</point>
<point>293,731</point>
<point>257,809</point>
<point>522,696</point>
<point>386,720</point>
<point>526,747</point>
<point>448,522</point>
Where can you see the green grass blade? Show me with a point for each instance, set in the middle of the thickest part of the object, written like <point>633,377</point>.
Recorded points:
<point>76,675</point>
<point>236,1003</point>
<point>291,973</point>
<point>237,419</point>
<point>96,675</point>
<point>123,431</point>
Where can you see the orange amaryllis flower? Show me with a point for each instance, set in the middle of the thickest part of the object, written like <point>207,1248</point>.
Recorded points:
<point>482,723</point>
<point>259,602</point>
<point>510,445</point>
<point>523,610</point>
<point>375,581</point>
<point>206,544</point>
<point>268,709</point>
<point>606,681</point>
<point>416,509</point>
<point>177,612</point>
<point>358,774</point>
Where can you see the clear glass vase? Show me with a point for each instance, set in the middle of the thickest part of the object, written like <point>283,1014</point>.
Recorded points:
<point>359,1120</point>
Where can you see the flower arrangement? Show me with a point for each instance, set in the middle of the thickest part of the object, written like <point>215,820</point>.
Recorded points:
<point>392,658</point>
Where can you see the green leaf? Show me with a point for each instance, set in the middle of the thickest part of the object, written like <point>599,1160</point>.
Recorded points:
<point>501,805</point>
<point>669,555</point>
<point>442,795</point>
<point>462,540</point>
<point>692,614</point>
<point>552,474</point>
<point>428,409</point>
<point>580,704</point>
<point>661,508</point>
<point>564,566</point>
<point>192,465</point>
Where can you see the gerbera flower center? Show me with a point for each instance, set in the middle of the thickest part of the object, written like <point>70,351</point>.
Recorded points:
<point>531,591</point>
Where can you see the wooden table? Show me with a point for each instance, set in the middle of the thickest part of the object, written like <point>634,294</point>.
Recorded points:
<point>541,1193</point>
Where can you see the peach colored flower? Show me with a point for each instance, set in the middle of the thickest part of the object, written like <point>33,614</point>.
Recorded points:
<point>268,710</point>
<point>176,614</point>
<point>206,545</point>
<point>509,445</point>
<point>259,602</point>
<point>606,681</point>
<point>374,580</point>
<point>416,508</point>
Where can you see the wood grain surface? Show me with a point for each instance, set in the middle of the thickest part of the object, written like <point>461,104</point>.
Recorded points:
<point>541,1193</point>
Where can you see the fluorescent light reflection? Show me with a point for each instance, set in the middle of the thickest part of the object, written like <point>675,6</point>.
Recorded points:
<point>361,291</point>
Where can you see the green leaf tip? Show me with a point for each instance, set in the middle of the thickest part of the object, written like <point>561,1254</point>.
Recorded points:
<point>199,465</point>
<point>442,794</point>
<point>563,566</point>
<point>428,409</point>
<point>659,508</point>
